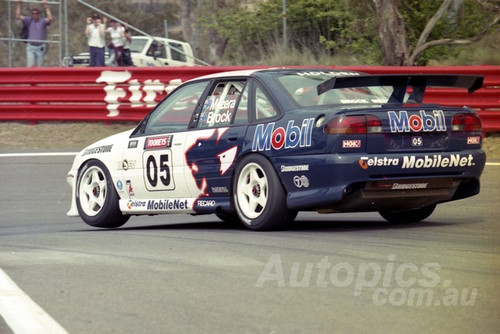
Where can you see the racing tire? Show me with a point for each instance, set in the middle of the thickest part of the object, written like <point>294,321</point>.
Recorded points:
<point>408,216</point>
<point>258,195</point>
<point>96,197</point>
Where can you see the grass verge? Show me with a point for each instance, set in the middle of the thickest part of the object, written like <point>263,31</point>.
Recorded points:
<point>75,136</point>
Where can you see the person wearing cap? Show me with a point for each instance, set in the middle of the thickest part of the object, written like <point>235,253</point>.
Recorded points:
<point>37,33</point>
<point>117,34</point>
<point>95,32</point>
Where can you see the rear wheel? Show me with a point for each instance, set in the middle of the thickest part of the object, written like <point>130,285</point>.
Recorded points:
<point>96,197</point>
<point>408,216</point>
<point>258,195</point>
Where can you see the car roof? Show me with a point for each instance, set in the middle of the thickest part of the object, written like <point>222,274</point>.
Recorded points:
<point>160,39</point>
<point>252,71</point>
<point>236,73</point>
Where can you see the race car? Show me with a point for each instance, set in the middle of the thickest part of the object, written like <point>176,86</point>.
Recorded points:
<point>258,146</point>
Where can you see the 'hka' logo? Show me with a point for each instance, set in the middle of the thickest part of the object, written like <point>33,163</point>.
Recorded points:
<point>138,94</point>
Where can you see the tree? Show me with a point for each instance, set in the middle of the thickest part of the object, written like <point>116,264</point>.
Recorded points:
<point>393,39</point>
<point>396,46</point>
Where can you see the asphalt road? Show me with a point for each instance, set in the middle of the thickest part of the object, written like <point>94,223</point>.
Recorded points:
<point>345,273</point>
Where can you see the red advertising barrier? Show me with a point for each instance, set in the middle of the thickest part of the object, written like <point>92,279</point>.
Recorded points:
<point>128,94</point>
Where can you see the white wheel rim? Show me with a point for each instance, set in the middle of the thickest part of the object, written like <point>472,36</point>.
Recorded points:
<point>252,191</point>
<point>92,191</point>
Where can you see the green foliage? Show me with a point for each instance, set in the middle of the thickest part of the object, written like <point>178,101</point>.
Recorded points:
<point>462,22</point>
<point>485,51</point>
<point>317,28</point>
<point>233,32</point>
<point>341,28</point>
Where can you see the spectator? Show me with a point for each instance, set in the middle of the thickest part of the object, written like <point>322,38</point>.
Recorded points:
<point>95,33</point>
<point>37,33</point>
<point>117,34</point>
<point>127,58</point>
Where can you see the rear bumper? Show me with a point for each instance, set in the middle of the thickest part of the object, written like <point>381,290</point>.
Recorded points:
<point>366,199</point>
<point>362,182</point>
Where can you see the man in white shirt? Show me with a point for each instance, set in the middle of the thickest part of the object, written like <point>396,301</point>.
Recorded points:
<point>95,32</point>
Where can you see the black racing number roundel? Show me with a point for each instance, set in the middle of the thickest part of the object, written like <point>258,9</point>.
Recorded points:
<point>158,171</point>
<point>417,141</point>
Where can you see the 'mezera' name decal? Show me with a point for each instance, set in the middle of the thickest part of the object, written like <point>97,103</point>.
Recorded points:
<point>220,104</point>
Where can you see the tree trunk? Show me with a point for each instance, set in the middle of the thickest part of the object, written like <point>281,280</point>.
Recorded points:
<point>394,43</point>
<point>186,19</point>
<point>217,45</point>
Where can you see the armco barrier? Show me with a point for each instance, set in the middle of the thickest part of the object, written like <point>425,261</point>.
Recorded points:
<point>88,94</point>
<point>127,94</point>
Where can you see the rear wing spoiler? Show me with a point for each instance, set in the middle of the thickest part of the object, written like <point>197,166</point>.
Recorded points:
<point>400,84</point>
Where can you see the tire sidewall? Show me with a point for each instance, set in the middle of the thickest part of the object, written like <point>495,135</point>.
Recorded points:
<point>109,215</point>
<point>408,216</point>
<point>275,212</point>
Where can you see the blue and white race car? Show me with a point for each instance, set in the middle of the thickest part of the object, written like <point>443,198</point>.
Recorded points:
<point>258,146</point>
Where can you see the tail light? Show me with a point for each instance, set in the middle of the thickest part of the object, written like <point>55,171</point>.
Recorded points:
<point>357,124</point>
<point>466,123</point>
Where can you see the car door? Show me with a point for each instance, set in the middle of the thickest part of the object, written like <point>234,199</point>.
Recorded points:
<point>177,55</point>
<point>153,53</point>
<point>154,165</point>
<point>214,145</point>
<point>157,54</point>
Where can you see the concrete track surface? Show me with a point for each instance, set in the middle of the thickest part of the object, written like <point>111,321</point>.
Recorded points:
<point>343,273</point>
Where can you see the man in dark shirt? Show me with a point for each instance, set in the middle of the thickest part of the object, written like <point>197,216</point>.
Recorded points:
<point>37,33</point>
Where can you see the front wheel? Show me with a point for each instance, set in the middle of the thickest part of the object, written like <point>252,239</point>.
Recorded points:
<point>408,216</point>
<point>96,197</point>
<point>258,195</point>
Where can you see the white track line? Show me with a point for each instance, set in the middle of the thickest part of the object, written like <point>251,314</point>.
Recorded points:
<point>43,154</point>
<point>21,313</point>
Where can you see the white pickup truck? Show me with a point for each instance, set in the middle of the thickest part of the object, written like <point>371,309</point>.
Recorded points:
<point>147,51</point>
<point>159,51</point>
